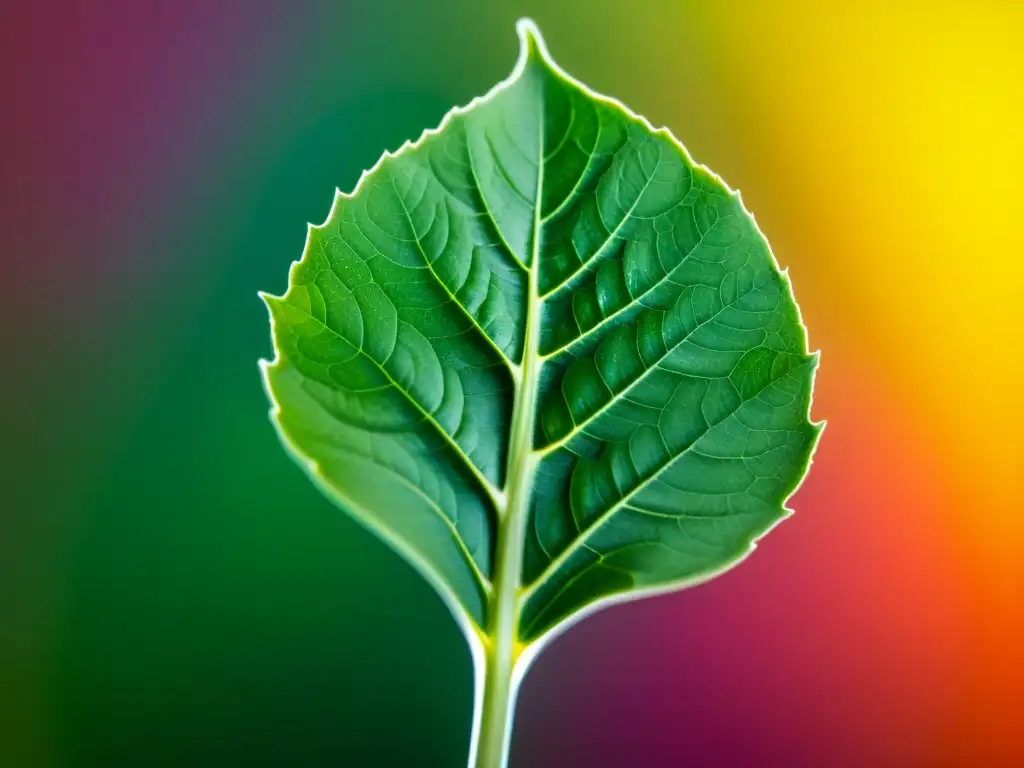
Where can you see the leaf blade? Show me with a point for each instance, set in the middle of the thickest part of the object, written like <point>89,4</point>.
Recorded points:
<point>655,326</point>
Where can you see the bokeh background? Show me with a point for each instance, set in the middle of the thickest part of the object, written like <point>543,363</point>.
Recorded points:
<point>174,592</point>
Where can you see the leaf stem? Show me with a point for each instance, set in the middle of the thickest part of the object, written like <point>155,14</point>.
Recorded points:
<point>495,715</point>
<point>496,707</point>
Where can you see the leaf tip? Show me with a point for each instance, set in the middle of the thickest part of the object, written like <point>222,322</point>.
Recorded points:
<point>531,42</point>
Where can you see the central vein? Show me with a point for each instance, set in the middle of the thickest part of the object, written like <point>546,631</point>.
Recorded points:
<point>521,467</point>
<point>503,617</point>
<point>522,462</point>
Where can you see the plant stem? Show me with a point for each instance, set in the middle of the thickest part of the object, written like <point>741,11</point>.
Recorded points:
<point>496,707</point>
<point>495,715</point>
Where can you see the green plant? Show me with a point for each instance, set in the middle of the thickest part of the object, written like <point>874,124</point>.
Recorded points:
<point>550,360</point>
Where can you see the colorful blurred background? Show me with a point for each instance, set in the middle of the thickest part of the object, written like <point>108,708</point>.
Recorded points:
<point>174,592</point>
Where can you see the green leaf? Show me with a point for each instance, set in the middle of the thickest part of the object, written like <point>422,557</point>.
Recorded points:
<point>550,360</point>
